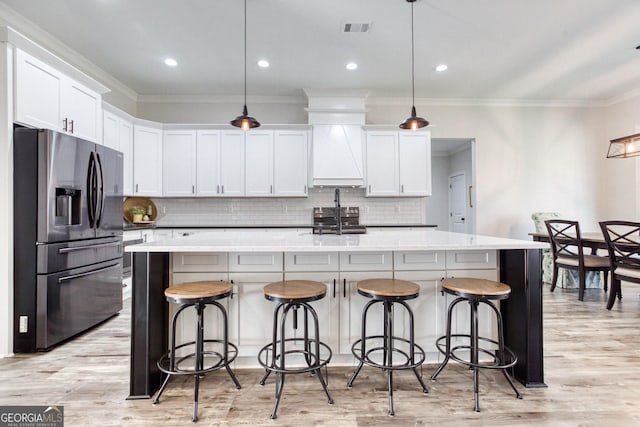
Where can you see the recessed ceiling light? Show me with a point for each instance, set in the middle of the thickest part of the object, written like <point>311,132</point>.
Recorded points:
<point>170,62</point>
<point>263,63</point>
<point>442,67</point>
<point>352,66</point>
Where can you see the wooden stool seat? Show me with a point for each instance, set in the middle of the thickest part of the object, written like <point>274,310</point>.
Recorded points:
<point>197,290</point>
<point>466,286</point>
<point>388,288</point>
<point>295,290</point>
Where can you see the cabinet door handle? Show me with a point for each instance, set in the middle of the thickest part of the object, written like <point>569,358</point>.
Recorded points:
<point>193,189</point>
<point>218,189</point>
<point>71,126</point>
<point>402,188</point>
<point>271,189</point>
<point>231,296</point>
<point>136,188</point>
<point>222,188</point>
<point>64,124</point>
<point>305,189</point>
<point>334,288</point>
<point>369,188</point>
<point>344,289</point>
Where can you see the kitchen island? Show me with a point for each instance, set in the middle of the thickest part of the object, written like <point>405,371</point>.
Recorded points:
<point>252,259</point>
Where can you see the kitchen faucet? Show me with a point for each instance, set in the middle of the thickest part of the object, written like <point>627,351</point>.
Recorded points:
<point>338,213</point>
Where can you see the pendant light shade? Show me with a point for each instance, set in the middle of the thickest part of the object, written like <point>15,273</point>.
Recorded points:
<point>628,146</point>
<point>244,121</point>
<point>413,122</point>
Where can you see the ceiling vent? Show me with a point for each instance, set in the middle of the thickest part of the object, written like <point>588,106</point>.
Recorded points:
<point>356,27</point>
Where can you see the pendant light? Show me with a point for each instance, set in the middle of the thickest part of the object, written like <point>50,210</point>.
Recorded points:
<point>413,122</point>
<point>628,146</point>
<point>244,121</point>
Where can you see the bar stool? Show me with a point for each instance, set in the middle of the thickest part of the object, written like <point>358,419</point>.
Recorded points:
<point>388,292</point>
<point>476,291</point>
<point>294,295</point>
<point>197,295</point>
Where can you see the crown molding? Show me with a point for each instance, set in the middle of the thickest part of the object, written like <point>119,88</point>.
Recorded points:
<point>488,102</point>
<point>624,97</point>
<point>219,99</point>
<point>46,41</point>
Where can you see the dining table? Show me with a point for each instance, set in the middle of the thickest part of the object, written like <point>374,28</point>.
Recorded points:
<point>590,239</point>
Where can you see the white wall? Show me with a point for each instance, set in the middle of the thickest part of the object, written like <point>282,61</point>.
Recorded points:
<point>6,201</point>
<point>527,159</point>
<point>437,205</point>
<point>621,180</point>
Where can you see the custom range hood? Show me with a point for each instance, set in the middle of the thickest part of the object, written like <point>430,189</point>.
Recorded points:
<point>337,118</point>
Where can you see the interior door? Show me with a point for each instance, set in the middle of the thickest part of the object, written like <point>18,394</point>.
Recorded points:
<point>457,203</point>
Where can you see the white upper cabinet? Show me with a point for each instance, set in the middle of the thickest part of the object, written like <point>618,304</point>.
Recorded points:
<point>398,163</point>
<point>232,163</point>
<point>259,163</point>
<point>290,163</point>
<point>208,163</point>
<point>117,133</point>
<point>147,161</point>
<point>179,163</point>
<point>110,130</point>
<point>382,163</point>
<point>414,153</point>
<point>337,155</point>
<point>125,130</point>
<point>47,98</point>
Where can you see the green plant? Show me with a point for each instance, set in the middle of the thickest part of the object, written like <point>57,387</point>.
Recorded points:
<point>137,211</point>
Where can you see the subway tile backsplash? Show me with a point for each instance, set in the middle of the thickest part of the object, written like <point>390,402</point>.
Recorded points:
<point>286,211</point>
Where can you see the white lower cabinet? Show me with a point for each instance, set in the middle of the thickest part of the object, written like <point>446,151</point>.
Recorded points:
<point>250,312</point>
<point>340,311</point>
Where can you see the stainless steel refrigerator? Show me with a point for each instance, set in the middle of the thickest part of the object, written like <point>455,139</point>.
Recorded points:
<point>67,234</point>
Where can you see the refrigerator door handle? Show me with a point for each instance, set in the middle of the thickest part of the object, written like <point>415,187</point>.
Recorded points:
<point>100,196</point>
<point>91,176</point>
<point>88,273</point>
<point>82,248</point>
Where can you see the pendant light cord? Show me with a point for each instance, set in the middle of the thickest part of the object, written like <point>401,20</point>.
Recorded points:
<point>245,49</point>
<point>413,89</point>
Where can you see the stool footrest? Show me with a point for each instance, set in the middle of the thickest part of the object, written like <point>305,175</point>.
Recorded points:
<point>509,358</point>
<point>418,353</point>
<point>164,361</point>
<point>315,361</point>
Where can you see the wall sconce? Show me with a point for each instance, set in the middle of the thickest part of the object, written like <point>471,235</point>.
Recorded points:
<point>627,146</point>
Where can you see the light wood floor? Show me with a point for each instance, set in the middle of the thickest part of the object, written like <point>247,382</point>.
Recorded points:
<point>592,368</point>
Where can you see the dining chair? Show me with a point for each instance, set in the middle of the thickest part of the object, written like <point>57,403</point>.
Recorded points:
<point>623,243</point>
<point>567,252</point>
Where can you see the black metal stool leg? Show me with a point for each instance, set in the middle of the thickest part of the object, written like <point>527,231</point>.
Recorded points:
<point>363,347</point>
<point>447,353</point>
<point>172,352</point>
<point>225,343</point>
<point>279,387</point>
<point>412,345</point>
<point>314,315</point>
<point>501,350</point>
<point>474,353</point>
<point>388,338</point>
<point>274,339</point>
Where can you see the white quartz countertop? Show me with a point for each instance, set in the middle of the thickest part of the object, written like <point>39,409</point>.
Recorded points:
<point>296,241</point>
